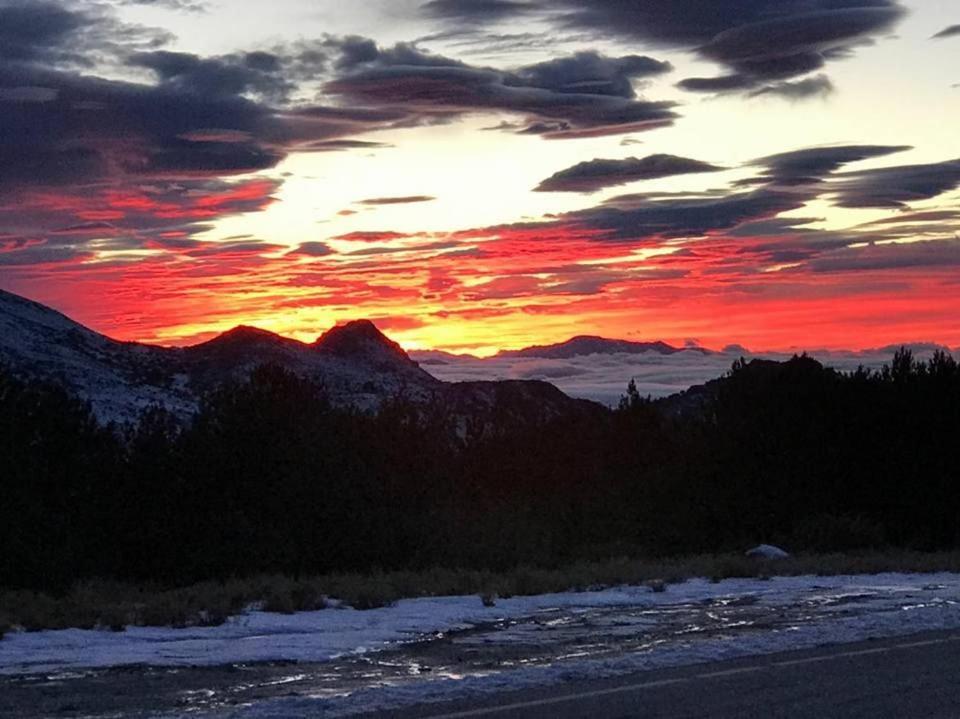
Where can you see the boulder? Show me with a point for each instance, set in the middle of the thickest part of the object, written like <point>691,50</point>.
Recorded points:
<point>767,551</point>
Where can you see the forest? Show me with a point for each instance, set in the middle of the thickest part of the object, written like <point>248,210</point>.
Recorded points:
<point>271,478</point>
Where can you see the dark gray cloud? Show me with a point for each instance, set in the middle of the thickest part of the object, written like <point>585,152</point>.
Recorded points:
<point>582,95</point>
<point>786,241</point>
<point>917,218</point>
<point>257,74</point>
<point>233,247</point>
<point>342,145</point>
<point>774,227</point>
<point>723,83</point>
<point>796,36</point>
<point>911,239</point>
<point>795,43</point>
<point>373,236</point>
<point>757,42</point>
<point>29,32</point>
<point>896,187</point>
<point>182,5</point>
<point>594,175</point>
<point>350,116</point>
<point>764,38</point>
<point>127,164</point>
<point>406,200</point>
<point>273,75</point>
<point>203,117</point>
<point>683,217</point>
<point>312,249</point>
<point>891,256</point>
<point>809,87</point>
<point>482,10</point>
<point>439,246</point>
<point>951,31</point>
<point>817,86</point>
<point>68,33</point>
<point>639,199</point>
<point>42,255</point>
<point>591,73</point>
<point>94,130</point>
<point>158,215</point>
<point>814,164</point>
<point>755,75</point>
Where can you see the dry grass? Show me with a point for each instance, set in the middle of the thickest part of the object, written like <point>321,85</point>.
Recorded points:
<point>114,605</point>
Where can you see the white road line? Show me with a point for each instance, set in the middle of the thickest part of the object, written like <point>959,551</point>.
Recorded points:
<point>864,652</point>
<point>627,688</point>
<point>928,642</point>
<point>731,672</point>
<point>838,655</point>
<point>560,700</point>
<point>806,660</point>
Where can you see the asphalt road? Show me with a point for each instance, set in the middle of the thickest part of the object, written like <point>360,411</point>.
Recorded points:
<point>915,676</point>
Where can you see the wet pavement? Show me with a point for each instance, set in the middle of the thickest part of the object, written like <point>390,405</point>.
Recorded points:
<point>547,637</point>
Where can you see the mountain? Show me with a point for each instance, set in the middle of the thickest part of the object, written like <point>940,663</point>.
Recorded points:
<point>362,340</point>
<point>439,357</point>
<point>513,403</point>
<point>356,364</point>
<point>756,376</point>
<point>120,379</point>
<point>590,345</point>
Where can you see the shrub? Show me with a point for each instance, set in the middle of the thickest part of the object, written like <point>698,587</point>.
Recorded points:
<point>831,533</point>
<point>167,610</point>
<point>364,592</point>
<point>657,585</point>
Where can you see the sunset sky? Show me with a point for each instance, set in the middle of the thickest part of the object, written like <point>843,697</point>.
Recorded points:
<point>476,175</point>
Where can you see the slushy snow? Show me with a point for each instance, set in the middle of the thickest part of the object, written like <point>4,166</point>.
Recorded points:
<point>885,605</point>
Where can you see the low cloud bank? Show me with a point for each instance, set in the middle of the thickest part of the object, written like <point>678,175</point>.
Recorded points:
<point>604,377</point>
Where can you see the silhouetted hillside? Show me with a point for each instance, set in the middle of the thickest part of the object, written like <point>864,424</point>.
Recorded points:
<point>274,477</point>
<point>589,344</point>
<point>357,366</point>
<point>756,375</point>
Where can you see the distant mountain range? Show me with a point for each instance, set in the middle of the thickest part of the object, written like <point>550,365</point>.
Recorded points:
<point>579,346</point>
<point>359,367</point>
<point>584,345</point>
<point>355,363</point>
<point>599,369</point>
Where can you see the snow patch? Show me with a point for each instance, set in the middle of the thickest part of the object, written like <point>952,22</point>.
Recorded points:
<point>837,609</point>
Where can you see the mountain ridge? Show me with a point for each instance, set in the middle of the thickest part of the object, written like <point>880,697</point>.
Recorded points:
<point>581,345</point>
<point>355,363</point>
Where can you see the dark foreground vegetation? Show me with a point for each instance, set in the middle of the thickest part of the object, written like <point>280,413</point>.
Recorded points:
<point>270,479</point>
<point>112,605</point>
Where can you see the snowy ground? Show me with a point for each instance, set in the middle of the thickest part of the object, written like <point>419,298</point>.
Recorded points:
<point>440,648</point>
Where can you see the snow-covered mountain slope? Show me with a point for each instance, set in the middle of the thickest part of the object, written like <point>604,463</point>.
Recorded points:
<point>120,379</point>
<point>355,363</point>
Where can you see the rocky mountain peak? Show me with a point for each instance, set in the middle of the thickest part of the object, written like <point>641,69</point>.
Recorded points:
<point>360,339</point>
<point>244,334</point>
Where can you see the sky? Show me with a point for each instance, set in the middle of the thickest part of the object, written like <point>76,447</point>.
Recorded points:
<point>478,175</point>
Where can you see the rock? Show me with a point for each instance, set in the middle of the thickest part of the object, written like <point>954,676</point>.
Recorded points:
<point>657,585</point>
<point>767,551</point>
